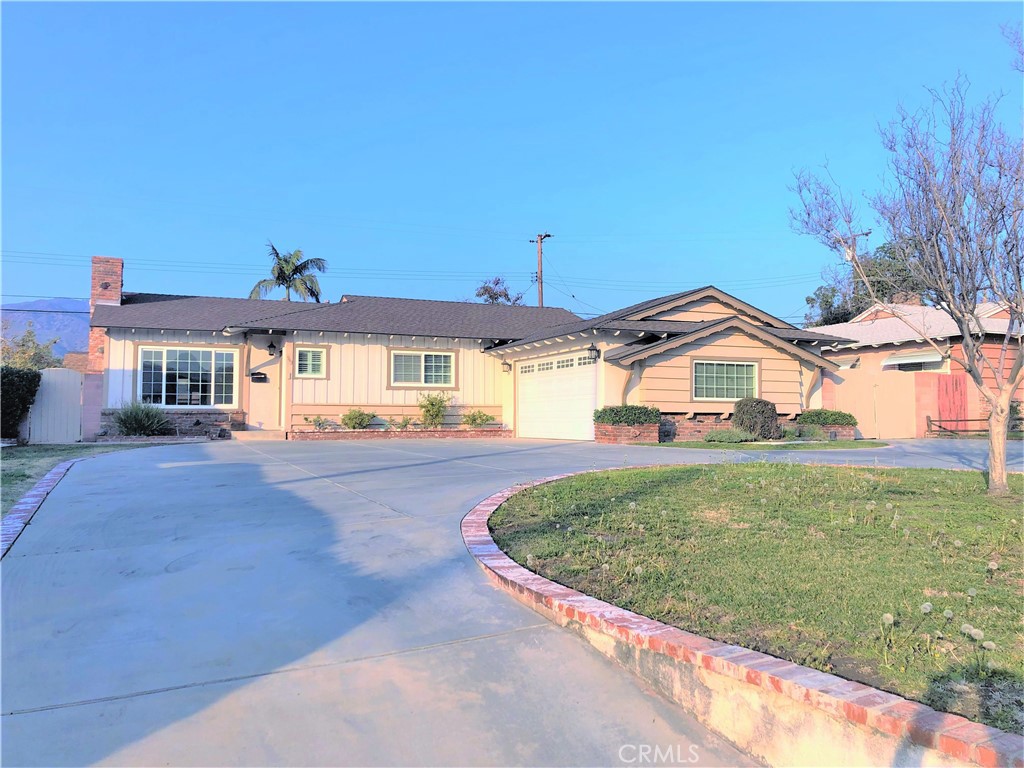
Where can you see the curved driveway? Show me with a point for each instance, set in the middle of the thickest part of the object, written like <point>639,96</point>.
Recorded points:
<point>310,603</point>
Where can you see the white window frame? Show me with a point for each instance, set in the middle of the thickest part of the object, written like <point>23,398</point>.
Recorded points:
<point>189,348</point>
<point>422,383</point>
<point>322,373</point>
<point>693,380</point>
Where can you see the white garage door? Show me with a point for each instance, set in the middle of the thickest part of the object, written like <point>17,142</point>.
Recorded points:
<point>557,397</point>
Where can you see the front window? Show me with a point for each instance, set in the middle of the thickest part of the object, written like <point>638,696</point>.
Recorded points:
<point>310,363</point>
<point>724,381</point>
<point>424,369</point>
<point>187,377</point>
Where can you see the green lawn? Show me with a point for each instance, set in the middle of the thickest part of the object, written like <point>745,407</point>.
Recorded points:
<point>803,562</point>
<point>832,445</point>
<point>21,467</point>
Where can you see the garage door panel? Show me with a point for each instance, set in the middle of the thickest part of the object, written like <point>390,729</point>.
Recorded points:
<point>557,397</point>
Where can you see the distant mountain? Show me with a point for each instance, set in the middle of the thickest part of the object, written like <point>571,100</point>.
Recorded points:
<point>52,318</point>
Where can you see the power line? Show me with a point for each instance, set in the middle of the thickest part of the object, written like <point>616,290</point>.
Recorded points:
<point>47,311</point>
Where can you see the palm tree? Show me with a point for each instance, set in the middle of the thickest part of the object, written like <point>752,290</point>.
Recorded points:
<point>292,272</point>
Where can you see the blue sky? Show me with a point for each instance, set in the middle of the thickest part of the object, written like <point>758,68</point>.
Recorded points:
<point>419,147</point>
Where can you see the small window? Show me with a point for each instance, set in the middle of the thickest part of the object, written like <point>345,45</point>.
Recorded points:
<point>526,368</point>
<point>565,362</point>
<point>585,360</point>
<point>426,369</point>
<point>548,366</point>
<point>936,365</point>
<point>310,363</point>
<point>724,381</point>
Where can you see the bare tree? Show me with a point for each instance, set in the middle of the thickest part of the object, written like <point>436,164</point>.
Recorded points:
<point>497,291</point>
<point>953,211</point>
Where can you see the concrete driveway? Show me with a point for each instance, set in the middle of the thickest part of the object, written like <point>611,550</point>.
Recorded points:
<point>313,604</point>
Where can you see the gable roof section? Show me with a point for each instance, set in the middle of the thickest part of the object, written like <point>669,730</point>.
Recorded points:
<point>654,306</point>
<point>631,353</point>
<point>354,314</point>
<point>893,330</point>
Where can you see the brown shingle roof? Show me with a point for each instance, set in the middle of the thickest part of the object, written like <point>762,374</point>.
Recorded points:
<point>354,314</point>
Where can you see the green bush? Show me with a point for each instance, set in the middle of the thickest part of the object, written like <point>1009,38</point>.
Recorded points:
<point>320,423</point>
<point>357,419</point>
<point>141,420</point>
<point>810,432</point>
<point>477,419</point>
<point>400,424</point>
<point>730,435</point>
<point>630,415</point>
<point>18,387</point>
<point>825,417</point>
<point>1016,422</point>
<point>433,407</point>
<point>758,417</point>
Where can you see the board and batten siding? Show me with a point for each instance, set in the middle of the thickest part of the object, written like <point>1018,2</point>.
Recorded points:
<point>667,378</point>
<point>121,354</point>
<point>358,376</point>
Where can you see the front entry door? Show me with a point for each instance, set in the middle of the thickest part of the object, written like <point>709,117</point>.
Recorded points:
<point>264,390</point>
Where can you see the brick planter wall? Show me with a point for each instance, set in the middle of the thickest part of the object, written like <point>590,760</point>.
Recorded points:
<point>394,434</point>
<point>842,432</point>
<point>211,422</point>
<point>626,434</point>
<point>677,427</point>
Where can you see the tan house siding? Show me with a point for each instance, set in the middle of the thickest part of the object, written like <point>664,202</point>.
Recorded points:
<point>666,378</point>
<point>704,309</point>
<point>358,377</point>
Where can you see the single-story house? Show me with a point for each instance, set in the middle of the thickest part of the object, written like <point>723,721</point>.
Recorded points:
<point>893,380</point>
<point>541,372</point>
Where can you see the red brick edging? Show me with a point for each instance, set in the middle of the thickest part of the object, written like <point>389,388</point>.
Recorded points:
<point>399,434</point>
<point>874,712</point>
<point>20,514</point>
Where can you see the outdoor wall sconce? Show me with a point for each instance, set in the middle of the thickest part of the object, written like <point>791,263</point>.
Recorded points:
<point>506,366</point>
<point>593,353</point>
<point>272,349</point>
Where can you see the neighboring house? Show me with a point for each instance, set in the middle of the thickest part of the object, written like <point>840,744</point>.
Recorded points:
<point>893,380</point>
<point>76,361</point>
<point>270,365</point>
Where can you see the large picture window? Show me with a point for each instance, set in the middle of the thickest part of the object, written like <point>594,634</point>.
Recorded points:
<point>422,369</point>
<point>724,381</point>
<point>183,377</point>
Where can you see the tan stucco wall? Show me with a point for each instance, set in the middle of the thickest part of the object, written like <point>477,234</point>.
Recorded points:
<point>783,379</point>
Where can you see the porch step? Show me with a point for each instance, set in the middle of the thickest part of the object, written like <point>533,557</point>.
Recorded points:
<point>258,434</point>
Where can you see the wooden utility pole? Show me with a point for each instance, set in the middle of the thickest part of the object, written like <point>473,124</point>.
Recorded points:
<point>540,266</point>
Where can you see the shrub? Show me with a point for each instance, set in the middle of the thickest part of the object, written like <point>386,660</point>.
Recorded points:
<point>825,417</point>
<point>400,424</point>
<point>357,419</point>
<point>18,387</point>
<point>1016,422</point>
<point>320,423</point>
<point>730,435</point>
<point>141,420</point>
<point>810,432</point>
<point>630,415</point>
<point>758,417</point>
<point>433,408</point>
<point>477,419</point>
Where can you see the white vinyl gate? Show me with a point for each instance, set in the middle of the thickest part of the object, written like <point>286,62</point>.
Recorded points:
<point>557,396</point>
<point>56,414</point>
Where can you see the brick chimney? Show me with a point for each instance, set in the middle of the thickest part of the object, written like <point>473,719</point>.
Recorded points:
<point>107,280</point>
<point>107,284</point>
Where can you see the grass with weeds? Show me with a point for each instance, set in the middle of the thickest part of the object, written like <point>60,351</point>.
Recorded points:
<point>21,467</point>
<point>805,563</point>
<point>794,446</point>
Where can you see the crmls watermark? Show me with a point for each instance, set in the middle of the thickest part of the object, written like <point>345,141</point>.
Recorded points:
<point>658,754</point>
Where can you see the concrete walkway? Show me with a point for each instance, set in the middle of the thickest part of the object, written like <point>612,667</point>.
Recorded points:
<point>313,604</point>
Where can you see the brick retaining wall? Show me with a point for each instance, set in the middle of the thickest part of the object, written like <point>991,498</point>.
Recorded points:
<point>626,434</point>
<point>677,427</point>
<point>211,422</point>
<point>395,434</point>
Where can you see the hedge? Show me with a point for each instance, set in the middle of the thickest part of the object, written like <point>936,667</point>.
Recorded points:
<point>758,417</point>
<point>18,387</point>
<point>630,415</point>
<point>827,418</point>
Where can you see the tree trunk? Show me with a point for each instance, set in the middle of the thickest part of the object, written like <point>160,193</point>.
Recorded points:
<point>998,422</point>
